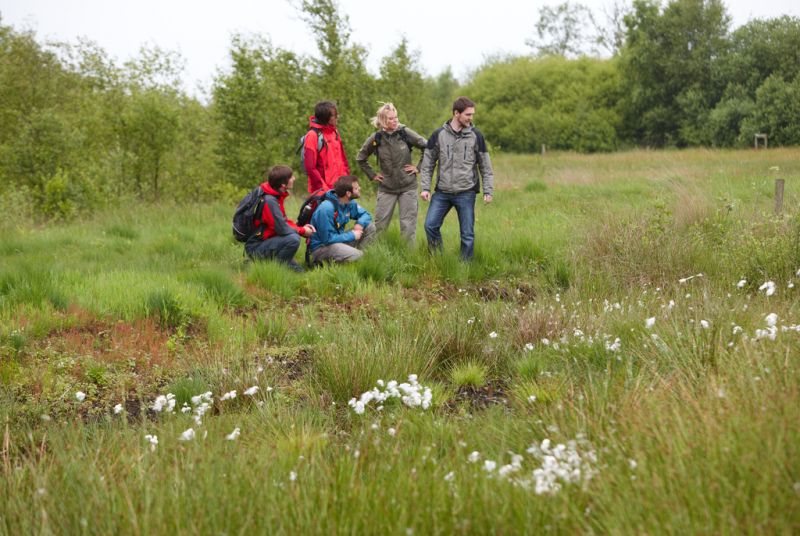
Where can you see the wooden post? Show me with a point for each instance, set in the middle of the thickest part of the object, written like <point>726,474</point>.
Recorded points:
<point>778,196</point>
<point>543,149</point>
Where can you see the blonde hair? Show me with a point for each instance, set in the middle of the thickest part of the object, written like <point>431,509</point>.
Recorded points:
<point>381,118</point>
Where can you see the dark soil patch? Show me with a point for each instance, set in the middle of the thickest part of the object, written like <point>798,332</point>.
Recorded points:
<point>479,398</point>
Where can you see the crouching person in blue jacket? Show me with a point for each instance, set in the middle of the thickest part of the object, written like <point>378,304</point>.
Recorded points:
<point>332,242</point>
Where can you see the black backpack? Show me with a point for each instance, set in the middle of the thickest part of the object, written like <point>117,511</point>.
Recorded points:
<point>309,206</point>
<point>247,218</point>
<point>304,217</point>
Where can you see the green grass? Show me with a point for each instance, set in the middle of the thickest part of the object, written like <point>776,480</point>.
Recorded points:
<point>687,426</point>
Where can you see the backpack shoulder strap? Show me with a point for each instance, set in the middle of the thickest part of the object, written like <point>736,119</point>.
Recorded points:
<point>434,139</point>
<point>480,141</point>
<point>404,137</point>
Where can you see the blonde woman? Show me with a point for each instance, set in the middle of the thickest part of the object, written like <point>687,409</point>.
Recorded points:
<point>397,178</point>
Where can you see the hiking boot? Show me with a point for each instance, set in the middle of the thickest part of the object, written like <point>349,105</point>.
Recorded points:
<point>295,267</point>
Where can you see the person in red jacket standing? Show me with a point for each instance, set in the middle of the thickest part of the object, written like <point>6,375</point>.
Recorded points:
<point>278,237</point>
<point>326,162</point>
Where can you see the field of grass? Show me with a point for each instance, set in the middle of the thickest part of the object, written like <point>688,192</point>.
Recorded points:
<point>615,360</point>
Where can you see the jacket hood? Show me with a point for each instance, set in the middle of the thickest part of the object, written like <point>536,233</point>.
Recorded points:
<point>464,130</point>
<point>312,123</point>
<point>330,195</point>
<point>269,190</point>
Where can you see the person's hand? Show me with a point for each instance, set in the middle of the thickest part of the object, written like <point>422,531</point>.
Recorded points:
<point>309,230</point>
<point>410,168</point>
<point>487,198</point>
<point>425,195</point>
<point>378,177</point>
<point>357,231</point>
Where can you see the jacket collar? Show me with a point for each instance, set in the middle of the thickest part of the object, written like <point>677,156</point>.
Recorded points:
<point>269,190</point>
<point>312,123</point>
<point>463,131</point>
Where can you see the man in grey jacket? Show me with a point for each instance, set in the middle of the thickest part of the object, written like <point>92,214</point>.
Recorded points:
<point>461,153</point>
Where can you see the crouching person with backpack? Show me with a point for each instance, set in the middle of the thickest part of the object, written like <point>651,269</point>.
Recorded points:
<point>276,236</point>
<point>332,242</point>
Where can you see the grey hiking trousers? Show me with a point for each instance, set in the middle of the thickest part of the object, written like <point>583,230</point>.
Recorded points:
<point>384,208</point>
<point>345,252</point>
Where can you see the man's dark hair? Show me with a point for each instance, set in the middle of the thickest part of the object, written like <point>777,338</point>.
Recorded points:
<point>344,184</point>
<point>462,103</point>
<point>323,112</point>
<point>279,176</point>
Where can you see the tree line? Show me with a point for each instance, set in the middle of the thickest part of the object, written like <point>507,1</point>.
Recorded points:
<point>80,131</point>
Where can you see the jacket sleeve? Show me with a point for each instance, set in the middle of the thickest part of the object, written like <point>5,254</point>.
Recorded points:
<point>359,214</point>
<point>344,155</point>
<point>429,162</point>
<point>416,140</point>
<point>310,156</point>
<point>485,167</point>
<point>279,221</point>
<point>326,229</point>
<point>363,155</point>
<point>299,230</point>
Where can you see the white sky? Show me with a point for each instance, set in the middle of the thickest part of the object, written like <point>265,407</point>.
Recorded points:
<point>455,33</point>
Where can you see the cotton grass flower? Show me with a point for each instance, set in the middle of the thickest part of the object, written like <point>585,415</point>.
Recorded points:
<point>153,440</point>
<point>493,335</point>
<point>205,397</point>
<point>230,395</point>
<point>164,403</point>
<point>741,283</point>
<point>411,394</point>
<point>528,346</point>
<point>251,391</point>
<point>650,322</point>
<point>118,409</point>
<point>771,319</point>
<point>768,288</point>
<point>489,465</point>
<point>685,279</point>
<point>474,456</point>
<point>80,396</point>
<point>187,435</point>
<point>704,324</point>
<point>562,464</point>
<point>233,436</point>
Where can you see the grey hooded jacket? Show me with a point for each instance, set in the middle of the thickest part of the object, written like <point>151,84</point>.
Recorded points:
<point>393,154</point>
<point>461,157</point>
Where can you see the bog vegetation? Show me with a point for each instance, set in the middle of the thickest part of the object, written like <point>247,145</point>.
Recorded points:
<point>620,357</point>
<point>626,339</point>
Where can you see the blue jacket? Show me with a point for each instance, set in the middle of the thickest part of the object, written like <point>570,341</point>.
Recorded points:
<point>330,218</point>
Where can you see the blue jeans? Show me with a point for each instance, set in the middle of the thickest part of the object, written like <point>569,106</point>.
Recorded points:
<point>280,248</point>
<point>441,203</point>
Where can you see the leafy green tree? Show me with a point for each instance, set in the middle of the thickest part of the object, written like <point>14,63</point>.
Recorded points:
<point>564,104</point>
<point>565,30</point>
<point>724,121</point>
<point>667,67</point>
<point>777,112</point>
<point>403,83</point>
<point>341,75</point>
<point>261,107</point>
<point>760,49</point>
